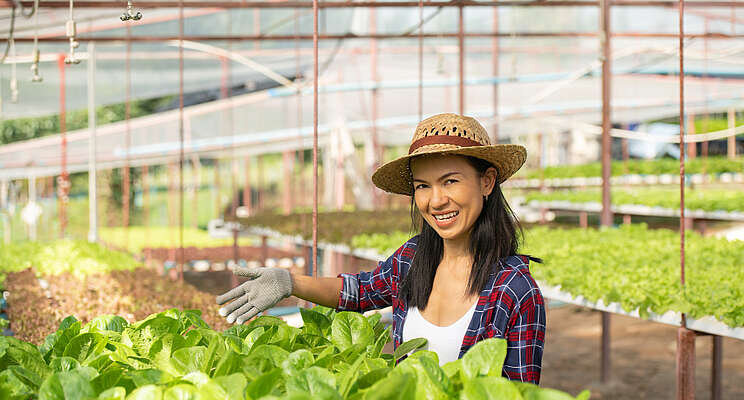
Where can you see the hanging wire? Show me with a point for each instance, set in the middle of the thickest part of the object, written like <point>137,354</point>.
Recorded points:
<point>35,52</point>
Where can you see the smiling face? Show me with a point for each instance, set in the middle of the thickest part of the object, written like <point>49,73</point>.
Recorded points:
<point>449,192</point>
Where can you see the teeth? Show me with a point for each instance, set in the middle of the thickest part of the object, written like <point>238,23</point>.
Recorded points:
<point>446,216</point>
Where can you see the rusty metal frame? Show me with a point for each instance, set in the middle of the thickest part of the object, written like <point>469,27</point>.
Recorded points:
<point>374,4</point>
<point>379,36</point>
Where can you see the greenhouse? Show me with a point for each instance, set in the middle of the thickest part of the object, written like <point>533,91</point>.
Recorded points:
<point>307,199</point>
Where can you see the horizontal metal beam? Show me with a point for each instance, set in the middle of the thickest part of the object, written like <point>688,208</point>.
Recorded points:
<point>217,38</point>
<point>373,4</point>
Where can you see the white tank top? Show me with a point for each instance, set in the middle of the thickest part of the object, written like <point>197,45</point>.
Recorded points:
<point>443,340</point>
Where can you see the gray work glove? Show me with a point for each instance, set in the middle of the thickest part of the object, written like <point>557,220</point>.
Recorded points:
<point>266,287</point>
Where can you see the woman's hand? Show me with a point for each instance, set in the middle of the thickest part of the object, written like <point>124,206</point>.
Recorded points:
<point>266,287</point>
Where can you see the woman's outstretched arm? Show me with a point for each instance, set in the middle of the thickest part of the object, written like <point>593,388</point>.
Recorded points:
<point>323,291</point>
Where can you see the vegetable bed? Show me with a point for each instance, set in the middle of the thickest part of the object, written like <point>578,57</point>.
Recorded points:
<point>176,355</point>
<point>136,238</point>
<point>77,257</point>
<point>695,199</point>
<point>632,265</point>
<point>35,312</point>
<point>711,165</point>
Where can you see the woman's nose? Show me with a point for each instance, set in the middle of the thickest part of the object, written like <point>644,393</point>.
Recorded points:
<point>438,197</point>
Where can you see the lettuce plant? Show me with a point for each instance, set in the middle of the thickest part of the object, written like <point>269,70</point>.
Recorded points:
<point>175,355</point>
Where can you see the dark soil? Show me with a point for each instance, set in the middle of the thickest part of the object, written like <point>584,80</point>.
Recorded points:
<point>130,294</point>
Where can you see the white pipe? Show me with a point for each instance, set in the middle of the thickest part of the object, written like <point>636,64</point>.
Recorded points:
<point>92,193</point>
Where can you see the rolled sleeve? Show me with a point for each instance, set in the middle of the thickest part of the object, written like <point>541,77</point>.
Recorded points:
<point>367,290</point>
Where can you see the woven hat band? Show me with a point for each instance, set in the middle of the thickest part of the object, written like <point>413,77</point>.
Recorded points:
<point>443,139</point>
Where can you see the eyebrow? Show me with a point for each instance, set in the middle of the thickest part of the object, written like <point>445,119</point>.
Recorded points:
<point>448,174</point>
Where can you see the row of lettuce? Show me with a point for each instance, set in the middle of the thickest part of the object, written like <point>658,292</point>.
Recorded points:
<point>637,267</point>
<point>709,165</point>
<point>77,257</point>
<point>730,200</point>
<point>175,355</point>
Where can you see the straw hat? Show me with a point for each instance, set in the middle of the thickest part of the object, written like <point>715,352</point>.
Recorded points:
<point>449,134</point>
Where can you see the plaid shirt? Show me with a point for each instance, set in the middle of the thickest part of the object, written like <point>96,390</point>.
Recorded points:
<point>510,307</point>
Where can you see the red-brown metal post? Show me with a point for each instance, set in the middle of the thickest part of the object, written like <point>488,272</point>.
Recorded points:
<point>685,337</point>
<point>287,164</point>
<point>179,262</point>
<point>260,184</point>
<point>247,189</point>
<point>717,368</point>
<point>315,138</point>
<point>606,216</point>
<point>145,203</point>
<point>217,188</point>
<point>461,55</point>
<point>236,257</point>
<point>626,219</point>
<point>495,66</point>
<point>685,364</point>
<point>692,146</point>
<point>375,102</point>
<point>583,219</point>
<point>64,181</point>
<point>731,144</point>
<point>127,140</point>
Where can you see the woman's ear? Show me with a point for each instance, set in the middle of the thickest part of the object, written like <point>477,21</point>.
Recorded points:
<point>488,181</point>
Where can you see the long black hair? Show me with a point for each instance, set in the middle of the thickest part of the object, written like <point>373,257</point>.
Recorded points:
<point>496,233</point>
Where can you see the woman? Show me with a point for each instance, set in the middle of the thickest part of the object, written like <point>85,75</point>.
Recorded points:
<point>457,282</point>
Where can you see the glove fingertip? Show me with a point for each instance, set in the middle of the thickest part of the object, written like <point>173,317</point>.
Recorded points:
<point>247,272</point>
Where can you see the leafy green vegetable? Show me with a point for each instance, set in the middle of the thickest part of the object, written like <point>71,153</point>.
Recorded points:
<point>711,165</point>
<point>695,199</point>
<point>175,355</point>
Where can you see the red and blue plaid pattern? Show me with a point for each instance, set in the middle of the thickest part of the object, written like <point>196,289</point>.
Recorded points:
<point>510,307</point>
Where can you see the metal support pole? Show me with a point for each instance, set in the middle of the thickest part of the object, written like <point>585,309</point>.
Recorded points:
<point>376,194</point>
<point>287,165</point>
<point>127,114</point>
<point>92,183</point>
<point>685,337</point>
<point>731,144</point>
<point>260,183</point>
<point>63,182</point>
<point>626,219</point>
<point>315,138</point>
<point>692,146</point>
<point>216,188</point>
<point>247,188</point>
<point>495,66</point>
<point>236,256</point>
<point>145,203</point>
<point>32,200</point>
<point>4,191</point>
<point>685,364</point>
<point>180,260</point>
<point>717,368</point>
<point>583,219</point>
<point>606,216</point>
<point>461,55</point>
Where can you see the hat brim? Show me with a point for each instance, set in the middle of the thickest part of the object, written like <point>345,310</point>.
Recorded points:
<point>395,176</point>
